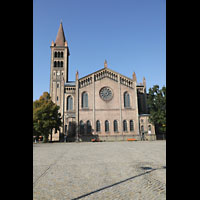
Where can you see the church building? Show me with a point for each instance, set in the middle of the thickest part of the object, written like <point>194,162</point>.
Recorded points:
<point>103,104</point>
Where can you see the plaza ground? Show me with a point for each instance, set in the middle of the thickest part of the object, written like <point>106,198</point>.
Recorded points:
<point>103,170</point>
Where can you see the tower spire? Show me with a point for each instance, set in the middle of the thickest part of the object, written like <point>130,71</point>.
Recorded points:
<point>60,38</point>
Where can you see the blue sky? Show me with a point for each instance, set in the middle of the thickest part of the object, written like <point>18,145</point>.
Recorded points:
<point>129,34</point>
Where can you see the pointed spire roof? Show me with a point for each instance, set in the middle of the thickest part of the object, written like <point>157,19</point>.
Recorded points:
<point>60,39</point>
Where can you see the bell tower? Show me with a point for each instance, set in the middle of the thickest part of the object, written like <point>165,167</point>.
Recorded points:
<point>59,67</point>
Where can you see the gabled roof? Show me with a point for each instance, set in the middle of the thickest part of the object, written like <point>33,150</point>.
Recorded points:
<point>106,73</point>
<point>60,39</point>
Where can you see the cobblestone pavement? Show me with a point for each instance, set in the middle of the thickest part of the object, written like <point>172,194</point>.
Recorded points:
<point>104,170</point>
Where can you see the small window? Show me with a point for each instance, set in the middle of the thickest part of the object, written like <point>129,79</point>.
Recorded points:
<point>57,98</point>
<point>126,100</point>
<point>81,127</point>
<point>115,126</point>
<point>61,54</point>
<point>55,64</point>
<point>98,126</point>
<point>89,128</point>
<point>84,100</point>
<point>106,126</point>
<point>131,125</point>
<point>69,103</point>
<point>125,126</point>
<point>57,85</point>
<point>58,54</point>
<point>61,64</point>
<point>55,55</point>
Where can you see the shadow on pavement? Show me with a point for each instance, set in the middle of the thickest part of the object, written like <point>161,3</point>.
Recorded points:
<point>144,168</point>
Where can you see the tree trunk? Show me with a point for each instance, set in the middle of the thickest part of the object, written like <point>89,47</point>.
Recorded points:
<point>51,135</point>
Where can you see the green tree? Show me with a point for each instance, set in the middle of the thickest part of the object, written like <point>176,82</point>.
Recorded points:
<point>45,116</point>
<point>157,108</point>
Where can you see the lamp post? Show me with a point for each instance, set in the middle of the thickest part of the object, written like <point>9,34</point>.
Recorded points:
<point>77,133</point>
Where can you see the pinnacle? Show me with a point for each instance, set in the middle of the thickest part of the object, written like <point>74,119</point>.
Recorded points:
<point>105,64</point>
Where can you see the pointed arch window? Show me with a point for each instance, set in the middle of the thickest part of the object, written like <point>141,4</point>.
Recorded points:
<point>98,126</point>
<point>126,100</point>
<point>131,125</point>
<point>69,103</point>
<point>58,54</point>
<point>84,100</point>
<point>106,126</point>
<point>115,124</point>
<point>125,126</point>
<point>55,54</point>
<point>55,64</point>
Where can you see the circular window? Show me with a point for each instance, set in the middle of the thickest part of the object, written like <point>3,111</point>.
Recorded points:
<point>106,93</point>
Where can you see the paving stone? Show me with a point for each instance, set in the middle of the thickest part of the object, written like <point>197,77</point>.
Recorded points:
<point>106,170</point>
